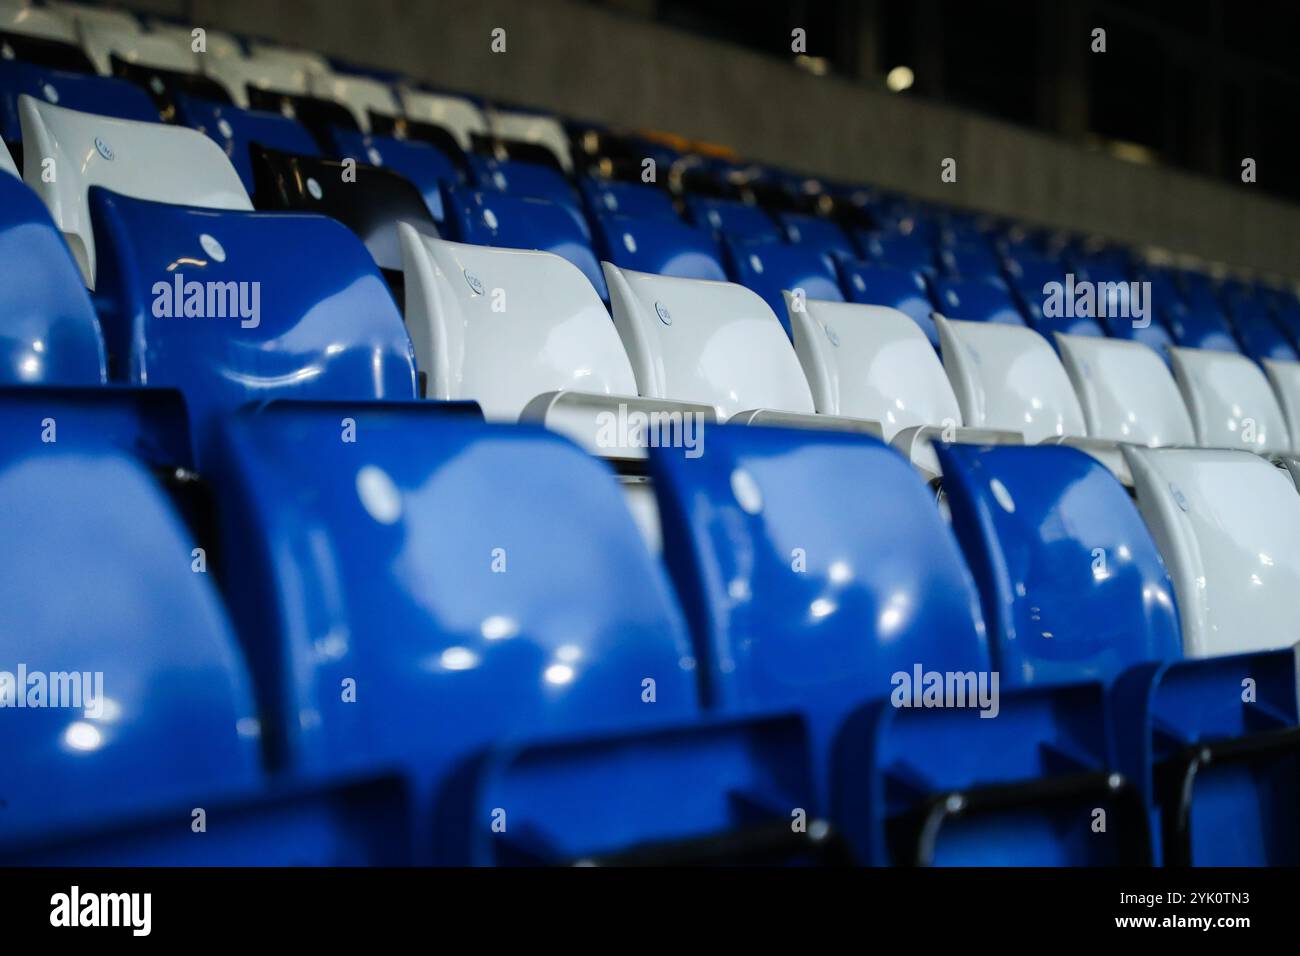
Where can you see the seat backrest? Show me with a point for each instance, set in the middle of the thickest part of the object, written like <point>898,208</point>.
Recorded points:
<point>369,200</point>
<point>730,218</point>
<point>491,218</point>
<point>710,342</point>
<point>217,44</point>
<point>659,246</point>
<point>614,197</point>
<point>309,61</point>
<point>455,114</point>
<point>772,269</point>
<point>900,289</point>
<point>977,301</point>
<point>26,20</point>
<point>87,17</point>
<point>7,161</point>
<point>900,250</point>
<point>1228,526</point>
<point>872,362</point>
<point>812,566</point>
<point>539,612</point>
<point>79,91</point>
<point>102,42</point>
<point>821,234</point>
<point>362,95</point>
<point>1260,336</point>
<point>1072,585</point>
<point>155,702</point>
<point>521,179</point>
<point>972,261</point>
<point>1008,377</point>
<point>1285,379</point>
<point>426,167</point>
<point>235,130</point>
<point>1126,391</point>
<point>238,74</point>
<point>1203,327</point>
<point>49,334</point>
<point>237,307</point>
<point>1230,401</point>
<point>535,128</point>
<point>154,161</point>
<point>502,326</point>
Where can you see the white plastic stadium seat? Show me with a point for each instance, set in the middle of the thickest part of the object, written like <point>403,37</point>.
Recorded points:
<point>154,161</point>
<point>7,161</point>
<point>873,362</point>
<point>503,326</point>
<point>1228,526</point>
<point>1230,401</point>
<point>531,128</point>
<point>716,343</point>
<point>218,44</point>
<point>237,74</point>
<point>456,114</point>
<point>1126,390</point>
<point>360,94</point>
<point>36,22</point>
<point>305,60</point>
<point>1285,379</point>
<point>101,42</point>
<point>1008,377</point>
<point>85,17</point>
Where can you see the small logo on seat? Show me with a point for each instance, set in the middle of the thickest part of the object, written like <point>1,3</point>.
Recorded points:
<point>665,316</point>
<point>832,336</point>
<point>1180,499</point>
<point>212,247</point>
<point>50,92</point>
<point>225,129</point>
<point>103,149</point>
<point>474,282</point>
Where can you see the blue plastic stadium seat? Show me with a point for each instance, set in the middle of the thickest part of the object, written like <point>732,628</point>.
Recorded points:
<point>1198,327</point>
<point>731,218</point>
<point>976,301</point>
<point>1260,336</point>
<point>900,250</point>
<point>817,576</point>
<point>971,261</point>
<point>659,246</point>
<point>817,233</point>
<point>48,330</point>
<point>1074,589</point>
<point>424,165</point>
<point>1034,297</point>
<point>901,289</point>
<point>616,198</point>
<point>521,179</point>
<point>770,269</point>
<point>89,589</point>
<point>235,130</point>
<point>314,318</point>
<point>492,218</point>
<point>79,91</point>
<point>524,663</point>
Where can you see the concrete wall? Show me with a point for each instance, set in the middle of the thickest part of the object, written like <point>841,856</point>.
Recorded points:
<point>607,65</point>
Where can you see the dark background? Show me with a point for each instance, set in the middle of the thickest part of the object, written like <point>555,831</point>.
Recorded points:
<point>1195,84</point>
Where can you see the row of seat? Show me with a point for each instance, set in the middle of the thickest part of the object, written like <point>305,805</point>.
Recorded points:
<point>516,667</point>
